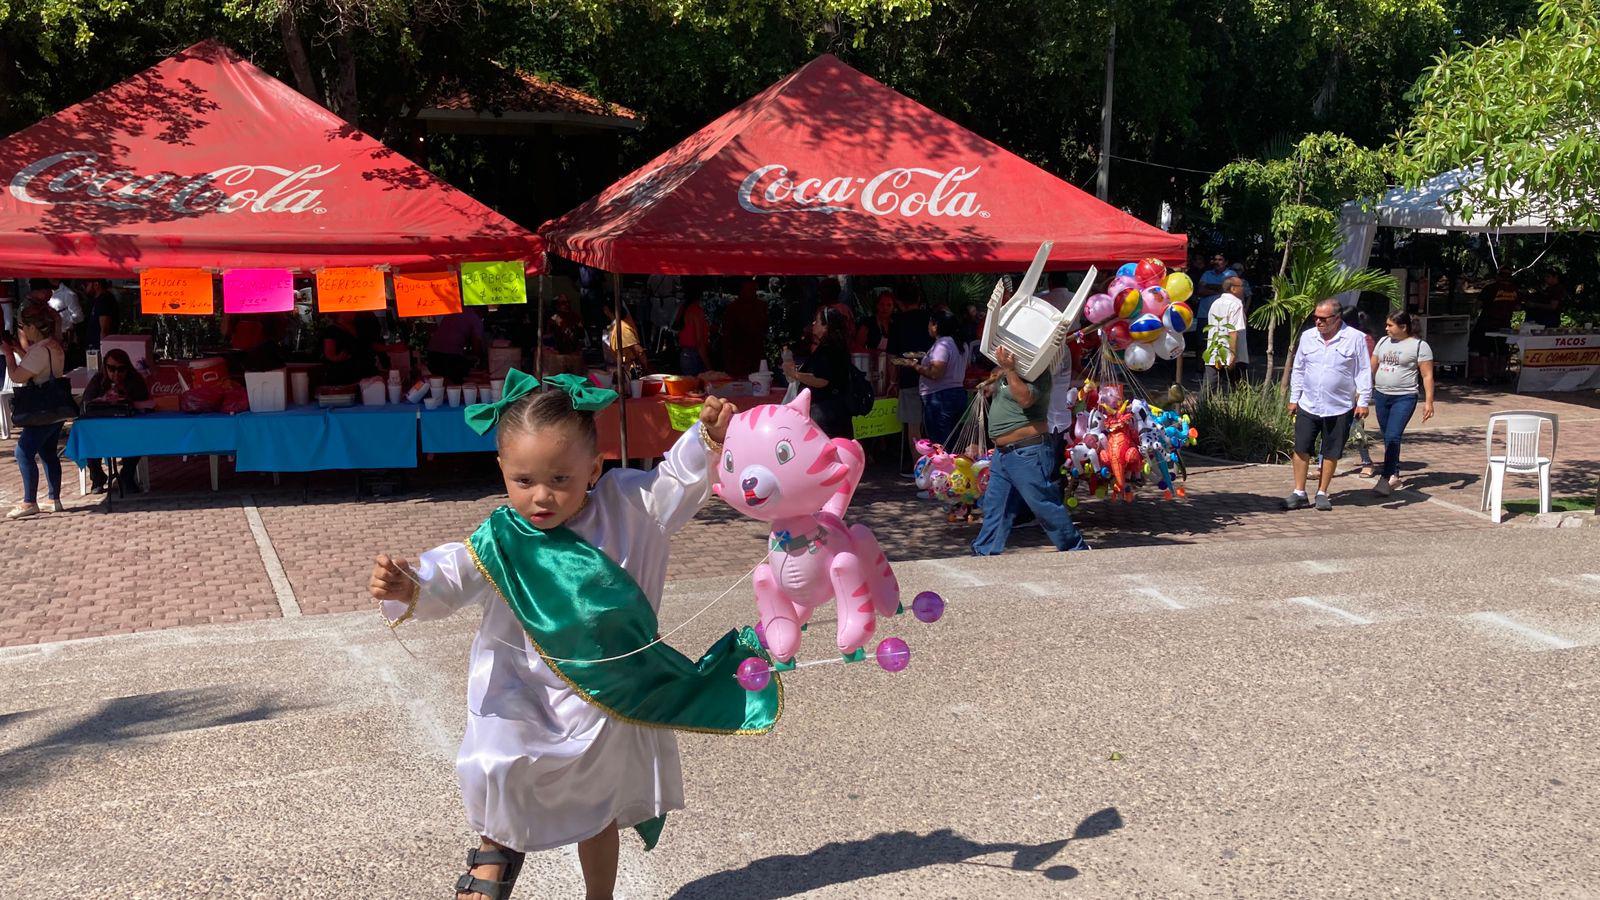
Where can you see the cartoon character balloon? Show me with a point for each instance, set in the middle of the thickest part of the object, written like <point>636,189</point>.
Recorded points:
<point>777,466</point>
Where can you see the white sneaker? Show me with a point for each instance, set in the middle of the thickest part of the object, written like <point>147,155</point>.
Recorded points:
<point>1384,487</point>
<point>23,510</point>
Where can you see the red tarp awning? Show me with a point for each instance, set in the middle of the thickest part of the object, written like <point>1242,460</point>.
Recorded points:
<point>830,172</point>
<point>205,160</point>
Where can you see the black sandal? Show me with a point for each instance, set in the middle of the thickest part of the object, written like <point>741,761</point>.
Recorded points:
<point>510,863</point>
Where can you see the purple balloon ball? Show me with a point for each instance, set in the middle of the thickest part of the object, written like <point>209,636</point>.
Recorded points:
<point>928,607</point>
<point>893,654</point>
<point>754,674</point>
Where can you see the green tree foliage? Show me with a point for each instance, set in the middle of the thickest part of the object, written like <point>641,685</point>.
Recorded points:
<point>1525,112</point>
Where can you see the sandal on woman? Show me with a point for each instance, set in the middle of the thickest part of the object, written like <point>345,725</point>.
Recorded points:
<point>23,510</point>
<point>55,506</point>
<point>510,863</point>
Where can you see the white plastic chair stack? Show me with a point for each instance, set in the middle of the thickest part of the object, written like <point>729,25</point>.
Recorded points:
<point>1031,327</point>
<point>1524,431</point>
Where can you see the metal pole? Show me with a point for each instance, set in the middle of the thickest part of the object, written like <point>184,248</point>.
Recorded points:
<point>538,348</point>
<point>622,383</point>
<point>1103,184</point>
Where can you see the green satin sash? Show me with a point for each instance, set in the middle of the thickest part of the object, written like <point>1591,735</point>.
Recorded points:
<point>576,603</point>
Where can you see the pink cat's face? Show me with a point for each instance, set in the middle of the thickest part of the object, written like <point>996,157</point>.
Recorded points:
<point>777,463</point>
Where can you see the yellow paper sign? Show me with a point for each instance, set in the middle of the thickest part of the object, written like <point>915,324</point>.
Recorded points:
<point>682,416</point>
<point>427,294</point>
<point>884,419</point>
<point>350,289</point>
<point>175,292</point>
<point>493,283</point>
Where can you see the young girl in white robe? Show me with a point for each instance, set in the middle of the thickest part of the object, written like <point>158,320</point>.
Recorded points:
<point>557,751</point>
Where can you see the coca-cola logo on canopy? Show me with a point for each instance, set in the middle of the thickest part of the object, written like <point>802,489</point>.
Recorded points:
<point>906,191</point>
<point>75,178</point>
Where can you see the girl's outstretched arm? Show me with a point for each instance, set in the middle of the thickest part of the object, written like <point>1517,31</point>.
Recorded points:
<point>444,580</point>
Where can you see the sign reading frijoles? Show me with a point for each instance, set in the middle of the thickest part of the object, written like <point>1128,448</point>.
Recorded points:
<point>76,178</point>
<point>493,283</point>
<point>175,292</point>
<point>906,191</point>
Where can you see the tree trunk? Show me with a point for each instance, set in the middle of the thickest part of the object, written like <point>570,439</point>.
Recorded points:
<point>294,49</point>
<point>343,93</point>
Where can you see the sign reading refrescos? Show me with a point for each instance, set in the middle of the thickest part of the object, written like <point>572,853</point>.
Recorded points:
<point>350,289</point>
<point>426,294</point>
<point>493,283</point>
<point>884,419</point>
<point>175,292</point>
<point>257,291</point>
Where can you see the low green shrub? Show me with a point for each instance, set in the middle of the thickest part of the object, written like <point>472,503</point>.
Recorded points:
<point>1247,422</point>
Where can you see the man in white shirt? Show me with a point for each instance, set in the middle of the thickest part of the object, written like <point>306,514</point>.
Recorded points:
<point>1330,385</point>
<point>64,301</point>
<point>1226,349</point>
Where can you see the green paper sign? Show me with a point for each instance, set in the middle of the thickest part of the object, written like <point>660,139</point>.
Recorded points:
<point>681,416</point>
<point>883,420</point>
<point>493,284</point>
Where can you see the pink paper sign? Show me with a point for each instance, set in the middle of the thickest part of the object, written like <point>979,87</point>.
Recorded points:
<point>257,291</point>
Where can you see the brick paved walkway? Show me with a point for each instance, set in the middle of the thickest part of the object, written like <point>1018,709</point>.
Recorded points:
<point>183,555</point>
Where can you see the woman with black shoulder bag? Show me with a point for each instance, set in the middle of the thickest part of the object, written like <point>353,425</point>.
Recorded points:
<point>41,403</point>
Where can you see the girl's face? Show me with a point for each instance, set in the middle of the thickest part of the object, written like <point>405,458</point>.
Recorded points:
<point>819,328</point>
<point>547,473</point>
<point>1396,332</point>
<point>933,329</point>
<point>33,334</point>
<point>885,306</point>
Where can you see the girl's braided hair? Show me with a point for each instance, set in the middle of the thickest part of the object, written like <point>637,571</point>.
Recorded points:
<point>547,408</point>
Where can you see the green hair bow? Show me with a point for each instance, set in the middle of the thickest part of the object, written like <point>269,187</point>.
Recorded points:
<point>483,417</point>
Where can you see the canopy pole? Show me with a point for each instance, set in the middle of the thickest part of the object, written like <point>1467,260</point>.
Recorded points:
<point>622,382</point>
<point>538,348</point>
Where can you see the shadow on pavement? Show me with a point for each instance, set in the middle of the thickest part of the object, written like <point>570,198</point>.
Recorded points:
<point>843,862</point>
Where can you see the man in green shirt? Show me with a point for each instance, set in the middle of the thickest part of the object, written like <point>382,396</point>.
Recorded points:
<point>1020,471</point>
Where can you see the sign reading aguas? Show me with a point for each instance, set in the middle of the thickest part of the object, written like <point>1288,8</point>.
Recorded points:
<point>907,191</point>
<point>75,178</point>
<point>1559,362</point>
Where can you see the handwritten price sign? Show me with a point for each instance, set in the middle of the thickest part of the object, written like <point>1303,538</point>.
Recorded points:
<point>175,292</point>
<point>427,294</point>
<point>884,419</point>
<point>351,289</point>
<point>257,291</point>
<point>493,283</point>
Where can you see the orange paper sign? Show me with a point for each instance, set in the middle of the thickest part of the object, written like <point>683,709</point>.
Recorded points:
<point>427,294</point>
<point>181,292</point>
<point>350,289</point>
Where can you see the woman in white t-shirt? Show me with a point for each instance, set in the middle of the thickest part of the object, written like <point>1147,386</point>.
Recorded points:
<point>1400,361</point>
<point>43,360</point>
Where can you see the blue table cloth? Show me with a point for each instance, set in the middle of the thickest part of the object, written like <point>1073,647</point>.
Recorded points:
<point>444,430</point>
<point>152,434</point>
<point>309,439</point>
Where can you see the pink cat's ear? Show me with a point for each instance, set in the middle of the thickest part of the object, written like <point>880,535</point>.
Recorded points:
<point>716,488</point>
<point>801,401</point>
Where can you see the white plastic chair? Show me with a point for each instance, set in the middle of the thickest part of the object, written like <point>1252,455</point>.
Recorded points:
<point>1524,429</point>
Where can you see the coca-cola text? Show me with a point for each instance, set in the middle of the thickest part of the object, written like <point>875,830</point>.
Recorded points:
<point>74,178</point>
<point>769,190</point>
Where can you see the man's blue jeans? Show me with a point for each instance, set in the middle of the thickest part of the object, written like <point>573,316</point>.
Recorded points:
<point>1022,478</point>
<point>1394,411</point>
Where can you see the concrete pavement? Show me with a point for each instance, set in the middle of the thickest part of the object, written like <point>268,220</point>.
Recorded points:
<point>1406,715</point>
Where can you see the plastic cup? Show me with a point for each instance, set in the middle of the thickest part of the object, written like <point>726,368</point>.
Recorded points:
<point>636,389</point>
<point>469,394</point>
<point>436,387</point>
<point>453,395</point>
<point>496,386</point>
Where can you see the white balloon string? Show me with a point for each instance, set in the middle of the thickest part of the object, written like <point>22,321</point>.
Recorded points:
<point>658,640</point>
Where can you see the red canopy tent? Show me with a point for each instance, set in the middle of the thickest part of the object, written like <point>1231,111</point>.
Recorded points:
<point>206,161</point>
<point>831,172</point>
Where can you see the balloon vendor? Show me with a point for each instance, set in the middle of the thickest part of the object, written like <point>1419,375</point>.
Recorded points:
<point>573,699</point>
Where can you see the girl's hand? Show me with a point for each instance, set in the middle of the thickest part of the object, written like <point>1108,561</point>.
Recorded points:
<point>790,370</point>
<point>1427,411</point>
<point>391,580</point>
<point>715,416</point>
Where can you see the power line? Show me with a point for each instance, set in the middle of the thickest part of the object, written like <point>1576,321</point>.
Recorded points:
<point>1144,162</point>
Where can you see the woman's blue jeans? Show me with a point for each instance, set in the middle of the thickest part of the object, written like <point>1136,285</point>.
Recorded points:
<point>941,410</point>
<point>1022,478</point>
<point>1394,411</point>
<point>42,441</point>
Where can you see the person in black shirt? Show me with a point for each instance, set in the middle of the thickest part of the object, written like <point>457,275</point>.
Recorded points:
<point>100,305</point>
<point>827,373</point>
<point>348,358</point>
<point>908,333</point>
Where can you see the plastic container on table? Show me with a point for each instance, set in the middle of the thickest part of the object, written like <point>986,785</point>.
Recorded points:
<point>268,391</point>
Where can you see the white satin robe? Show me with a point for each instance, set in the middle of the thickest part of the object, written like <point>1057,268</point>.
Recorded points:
<point>539,767</point>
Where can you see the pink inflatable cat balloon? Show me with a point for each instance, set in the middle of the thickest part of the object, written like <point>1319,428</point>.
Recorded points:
<point>778,466</point>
